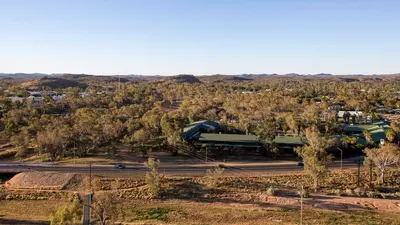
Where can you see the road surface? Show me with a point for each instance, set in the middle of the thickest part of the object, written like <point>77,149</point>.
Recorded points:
<point>171,169</point>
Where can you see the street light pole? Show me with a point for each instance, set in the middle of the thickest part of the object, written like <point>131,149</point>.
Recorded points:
<point>358,173</point>
<point>341,157</point>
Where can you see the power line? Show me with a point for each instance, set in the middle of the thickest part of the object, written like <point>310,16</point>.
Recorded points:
<point>235,170</point>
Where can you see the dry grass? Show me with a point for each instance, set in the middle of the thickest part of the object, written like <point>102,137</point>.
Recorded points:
<point>31,210</point>
<point>189,212</point>
<point>237,200</point>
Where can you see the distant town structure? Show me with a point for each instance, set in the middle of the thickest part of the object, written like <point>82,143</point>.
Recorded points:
<point>207,133</point>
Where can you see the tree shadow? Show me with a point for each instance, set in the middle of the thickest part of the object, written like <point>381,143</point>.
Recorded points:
<point>342,207</point>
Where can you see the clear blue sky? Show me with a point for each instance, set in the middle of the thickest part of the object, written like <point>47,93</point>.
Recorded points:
<point>200,36</point>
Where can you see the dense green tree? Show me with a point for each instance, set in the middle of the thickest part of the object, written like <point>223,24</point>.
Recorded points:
<point>152,178</point>
<point>21,142</point>
<point>70,214</point>
<point>314,156</point>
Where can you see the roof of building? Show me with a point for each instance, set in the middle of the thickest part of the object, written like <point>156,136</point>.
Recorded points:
<point>370,127</point>
<point>209,137</point>
<point>249,139</point>
<point>295,140</point>
<point>377,130</point>
<point>207,123</point>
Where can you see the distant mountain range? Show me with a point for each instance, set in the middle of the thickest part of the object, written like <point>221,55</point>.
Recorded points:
<point>155,77</point>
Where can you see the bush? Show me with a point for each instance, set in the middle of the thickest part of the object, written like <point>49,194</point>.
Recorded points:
<point>104,208</point>
<point>304,193</point>
<point>372,194</point>
<point>152,178</point>
<point>212,176</point>
<point>359,192</point>
<point>271,191</point>
<point>349,192</point>
<point>67,214</point>
<point>38,158</point>
<point>337,192</point>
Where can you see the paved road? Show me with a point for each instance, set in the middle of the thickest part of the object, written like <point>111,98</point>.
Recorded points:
<point>167,169</point>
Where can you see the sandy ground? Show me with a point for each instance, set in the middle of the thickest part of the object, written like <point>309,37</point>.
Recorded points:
<point>338,203</point>
<point>194,212</point>
<point>39,180</point>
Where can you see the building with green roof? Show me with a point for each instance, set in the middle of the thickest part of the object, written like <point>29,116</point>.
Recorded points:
<point>193,130</point>
<point>229,140</point>
<point>377,130</point>
<point>288,143</point>
<point>204,133</point>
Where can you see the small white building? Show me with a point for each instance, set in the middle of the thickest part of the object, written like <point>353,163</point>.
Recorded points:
<point>352,113</point>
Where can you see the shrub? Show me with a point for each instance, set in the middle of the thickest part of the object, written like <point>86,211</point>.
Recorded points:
<point>115,185</point>
<point>349,192</point>
<point>104,208</point>
<point>337,192</point>
<point>372,194</point>
<point>359,192</point>
<point>67,214</point>
<point>38,158</point>
<point>271,191</point>
<point>212,176</point>
<point>383,195</point>
<point>304,193</point>
<point>152,178</point>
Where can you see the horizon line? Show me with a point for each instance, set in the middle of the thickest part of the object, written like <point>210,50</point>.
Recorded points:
<point>216,74</point>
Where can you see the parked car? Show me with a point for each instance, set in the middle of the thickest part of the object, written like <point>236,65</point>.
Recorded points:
<point>120,166</point>
<point>300,164</point>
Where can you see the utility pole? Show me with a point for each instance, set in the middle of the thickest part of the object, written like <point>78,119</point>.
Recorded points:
<point>358,173</point>
<point>370,175</point>
<point>206,153</point>
<point>74,153</point>
<point>119,82</point>
<point>301,205</point>
<point>341,157</point>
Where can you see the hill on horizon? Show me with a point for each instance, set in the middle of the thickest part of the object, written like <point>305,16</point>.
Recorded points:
<point>183,78</point>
